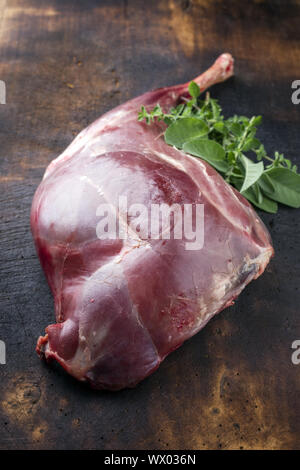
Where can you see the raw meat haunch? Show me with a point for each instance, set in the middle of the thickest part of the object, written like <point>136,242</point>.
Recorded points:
<point>122,305</point>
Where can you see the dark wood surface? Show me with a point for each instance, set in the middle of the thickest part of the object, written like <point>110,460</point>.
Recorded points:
<point>65,63</point>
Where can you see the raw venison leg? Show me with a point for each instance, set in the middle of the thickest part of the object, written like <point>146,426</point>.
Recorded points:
<point>122,305</point>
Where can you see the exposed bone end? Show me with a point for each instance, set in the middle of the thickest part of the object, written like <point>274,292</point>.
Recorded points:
<point>225,63</point>
<point>221,69</point>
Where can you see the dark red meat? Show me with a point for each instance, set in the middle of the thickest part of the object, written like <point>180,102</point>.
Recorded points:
<point>122,305</point>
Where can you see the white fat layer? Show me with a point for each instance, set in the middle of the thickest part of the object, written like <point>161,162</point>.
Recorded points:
<point>223,284</point>
<point>172,161</point>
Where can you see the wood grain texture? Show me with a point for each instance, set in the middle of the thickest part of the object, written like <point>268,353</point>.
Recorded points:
<point>65,63</point>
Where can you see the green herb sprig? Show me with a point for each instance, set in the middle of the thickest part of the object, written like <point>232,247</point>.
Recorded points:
<point>198,127</point>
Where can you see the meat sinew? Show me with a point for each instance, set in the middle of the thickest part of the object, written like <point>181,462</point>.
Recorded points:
<point>123,304</point>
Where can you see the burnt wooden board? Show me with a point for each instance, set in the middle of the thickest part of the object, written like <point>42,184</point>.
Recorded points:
<point>65,63</point>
